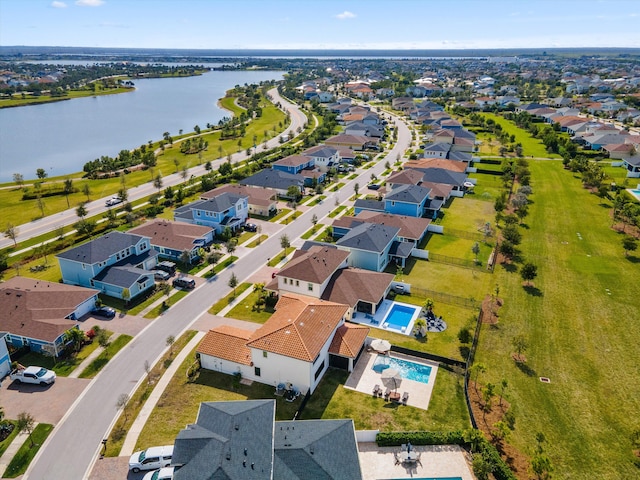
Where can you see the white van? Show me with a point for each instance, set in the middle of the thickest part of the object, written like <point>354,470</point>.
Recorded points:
<point>151,458</point>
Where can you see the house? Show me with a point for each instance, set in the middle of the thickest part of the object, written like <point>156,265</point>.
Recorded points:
<point>407,176</point>
<point>240,440</point>
<point>118,264</point>
<point>293,164</point>
<point>354,142</point>
<point>323,156</point>
<point>410,200</point>
<point>325,97</point>
<point>5,359</point>
<point>436,150</point>
<point>171,239</point>
<point>364,129</point>
<point>275,180</point>
<point>38,315</point>
<point>369,245</point>
<point>226,210</point>
<point>293,346</point>
<point>447,177</point>
<point>632,164</point>
<point>362,290</point>
<point>427,163</point>
<point>412,229</point>
<point>262,201</point>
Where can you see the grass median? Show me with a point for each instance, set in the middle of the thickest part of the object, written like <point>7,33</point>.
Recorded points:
<point>108,353</point>
<point>27,452</point>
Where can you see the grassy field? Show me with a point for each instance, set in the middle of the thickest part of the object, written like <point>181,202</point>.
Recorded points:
<point>457,247</point>
<point>580,322</point>
<point>531,147</point>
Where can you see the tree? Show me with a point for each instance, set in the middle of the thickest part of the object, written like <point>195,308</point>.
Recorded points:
<point>629,244</point>
<point>67,188</point>
<point>520,344</point>
<point>476,370</point>
<point>284,241</point>
<point>157,182</point>
<point>111,217</point>
<point>41,173</point>
<point>503,386</point>
<point>482,466</point>
<point>103,338</point>
<point>81,210</point>
<point>11,232</point>
<point>528,272</point>
<point>356,188</point>
<point>511,234</point>
<point>76,337</point>
<point>85,227</point>
<point>170,341</point>
<point>233,283</point>
<point>314,221</point>
<point>25,423</point>
<point>18,178</point>
<point>476,250</point>
<point>40,204</point>
<point>507,249</point>
<point>122,404</point>
<point>147,369</point>
<point>230,245</point>
<point>86,190</point>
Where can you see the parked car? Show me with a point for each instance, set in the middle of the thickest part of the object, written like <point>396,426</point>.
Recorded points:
<point>185,282</point>
<point>251,227</point>
<point>106,312</point>
<point>165,473</point>
<point>373,186</point>
<point>113,201</point>
<point>151,458</point>
<point>161,275</point>
<point>35,375</point>
<point>167,266</point>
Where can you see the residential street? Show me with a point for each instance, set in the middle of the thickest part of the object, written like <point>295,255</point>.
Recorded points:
<point>75,443</point>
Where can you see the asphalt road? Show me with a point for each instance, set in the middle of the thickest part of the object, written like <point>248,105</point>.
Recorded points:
<point>75,443</point>
<point>97,207</point>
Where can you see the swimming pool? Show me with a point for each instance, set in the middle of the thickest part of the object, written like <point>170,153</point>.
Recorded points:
<point>401,317</point>
<point>635,192</point>
<point>417,372</point>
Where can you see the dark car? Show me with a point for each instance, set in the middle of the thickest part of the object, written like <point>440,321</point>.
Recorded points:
<point>184,282</point>
<point>251,227</point>
<point>373,186</point>
<point>106,312</point>
<point>168,267</point>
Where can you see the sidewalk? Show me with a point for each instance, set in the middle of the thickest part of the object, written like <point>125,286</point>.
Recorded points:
<point>12,449</point>
<point>134,432</point>
<point>235,301</point>
<point>92,356</point>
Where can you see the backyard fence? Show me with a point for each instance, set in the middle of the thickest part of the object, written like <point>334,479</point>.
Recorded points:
<point>470,358</point>
<point>477,236</point>
<point>441,297</point>
<point>460,262</point>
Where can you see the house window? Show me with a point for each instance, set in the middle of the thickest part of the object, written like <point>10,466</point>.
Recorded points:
<point>297,283</point>
<point>91,282</point>
<point>256,371</point>
<point>393,204</point>
<point>84,267</point>
<point>264,354</point>
<point>318,371</point>
<point>310,287</point>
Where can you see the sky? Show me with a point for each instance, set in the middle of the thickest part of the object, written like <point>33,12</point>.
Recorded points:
<point>321,24</point>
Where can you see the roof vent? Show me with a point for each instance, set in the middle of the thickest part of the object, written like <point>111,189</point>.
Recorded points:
<point>236,426</point>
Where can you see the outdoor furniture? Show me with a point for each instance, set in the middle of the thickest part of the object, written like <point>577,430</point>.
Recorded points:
<point>396,458</point>
<point>386,394</point>
<point>409,457</point>
<point>405,397</point>
<point>376,390</point>
<point>280,390</point>
<point>394,397</point>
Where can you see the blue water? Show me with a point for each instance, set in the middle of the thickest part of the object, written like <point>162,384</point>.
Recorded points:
<point>399,316</point>
<point>434,478</point>
<point>409,370</point>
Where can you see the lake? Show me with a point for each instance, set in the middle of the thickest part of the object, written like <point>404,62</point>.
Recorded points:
<point>62,136</point>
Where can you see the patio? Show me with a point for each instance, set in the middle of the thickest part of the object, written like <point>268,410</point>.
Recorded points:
<point>377,320</point>
<point>436,461</point>
<point>363,379</point>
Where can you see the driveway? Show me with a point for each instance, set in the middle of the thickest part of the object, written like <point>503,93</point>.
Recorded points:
<point>121,323</point>
<point>47,404</point>
<point>114,468</point>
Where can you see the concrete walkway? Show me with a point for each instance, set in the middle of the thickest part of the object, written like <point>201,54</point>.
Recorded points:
<point>137,426</point>
<point>92,356</point>
<point>12,449</point>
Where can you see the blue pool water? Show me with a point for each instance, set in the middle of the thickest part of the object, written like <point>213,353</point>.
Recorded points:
<point>400,316</point>
<point>409,370</point>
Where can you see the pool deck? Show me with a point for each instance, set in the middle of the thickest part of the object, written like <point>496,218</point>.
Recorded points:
<point>437,461</point>
<point>378,320</point>
<point>364,378</point>
<point>632,192</point>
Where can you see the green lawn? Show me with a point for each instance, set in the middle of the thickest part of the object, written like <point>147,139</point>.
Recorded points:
<point>99,363</point>
<point>7,441</point>
<point>172,300</point>
<point>20,462</point>
<point>257,241</point>
<point>281,256</point>
<point>220,266</point>
<point>530,146</point>
<point>337,211</point>
<point>245,310</point>
<point>580,324</point>
<point>312,231</point>
<point>223,302</point>
<point>457,247</point>
<point>469,213</point>
<point>281,213</point>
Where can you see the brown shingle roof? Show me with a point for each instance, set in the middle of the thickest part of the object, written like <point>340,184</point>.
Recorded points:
<point>406,177</point>
<point>37,309</point>
<point>426,163</point>
<point>438,190</point>
<point>350,285</point>
<point>257,195</point>
<point>175,235</point>
<point>299,328</point>
<point>293,161</point>
<point>228,343</point>
<point>410,227</point>
<point>348,340</point>
<point>314,265</point>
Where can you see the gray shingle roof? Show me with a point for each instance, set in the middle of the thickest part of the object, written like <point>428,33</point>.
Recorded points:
<point>401,249</point>
<point>369,204</point>
<point>440,175</point>
<point>408,194</point>
<point>321,151</point>
<point>219,203</point>
<point>370,237</point>
<point>101,248</point>
<point>274,179</point>
<point>437,147</point>
<point>122,276</point>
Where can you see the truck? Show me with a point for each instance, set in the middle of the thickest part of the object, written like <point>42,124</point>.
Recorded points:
<point>36,375</point>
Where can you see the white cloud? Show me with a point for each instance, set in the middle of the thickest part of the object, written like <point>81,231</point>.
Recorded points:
<point>58,5</point>
<point>346,15</point>
<point>89,3</point>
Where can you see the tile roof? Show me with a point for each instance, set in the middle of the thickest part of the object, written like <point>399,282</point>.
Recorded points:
<point>101,248</point>
<point>350,285</point>
<point>219,203</point>
<point>315,265</point>
<point>299,328</point>
<point>38,309</point>
<point>438,190</point>
<point>369,237</point>
<point>348,340</point>
<point>228,343</point>
<point>369,204</point>
<point>122,276</point>
<point>178,236</point>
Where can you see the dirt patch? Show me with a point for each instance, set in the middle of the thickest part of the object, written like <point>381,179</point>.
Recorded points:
<point>490,309</point>
<point>518,462</point>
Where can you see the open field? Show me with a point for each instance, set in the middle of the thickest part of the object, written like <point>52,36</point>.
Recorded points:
<point>580,322</point>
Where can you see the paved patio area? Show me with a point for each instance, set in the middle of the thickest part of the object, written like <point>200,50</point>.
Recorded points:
<point>378,320</point>
<point>363,379</point>
<point>378,463</point>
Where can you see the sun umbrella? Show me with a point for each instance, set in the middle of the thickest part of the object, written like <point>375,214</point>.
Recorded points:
<point>380,345</point>
<point>391,378</point>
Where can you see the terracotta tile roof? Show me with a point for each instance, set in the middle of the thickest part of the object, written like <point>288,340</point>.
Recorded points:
<point>257,195</point>
<point>314,265</point>
<point>228,343</point>
<point>175,235</point>
<point>299,328</point>
<point>425,163</point>
<point>350,285</point>
<point>348,340</point>
<point>37,309</point>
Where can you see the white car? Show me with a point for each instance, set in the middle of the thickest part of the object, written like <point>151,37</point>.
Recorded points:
<point>36,375</point>
<point>151,458</point>
<point>113,201</point>
<point>165,473</point>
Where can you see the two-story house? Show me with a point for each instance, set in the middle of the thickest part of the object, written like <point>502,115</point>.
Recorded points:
<point>276,180</point>
<point>369,245</point>
<point>118,264</point>
<point>171,239</point>
<point>262,201</point>
<point>324,157</point>
<point>410,200</point>
<point>227,210</point>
